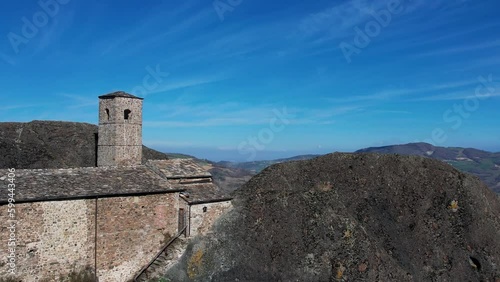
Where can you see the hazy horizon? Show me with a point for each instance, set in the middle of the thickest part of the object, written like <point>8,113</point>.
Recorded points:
<point>216,155</point>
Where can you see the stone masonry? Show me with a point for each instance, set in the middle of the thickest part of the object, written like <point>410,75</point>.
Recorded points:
<point>203,216</point>
<point>53,238</point>
<point>120,130</point>
<point>57,237</point>
<point>109,220</point>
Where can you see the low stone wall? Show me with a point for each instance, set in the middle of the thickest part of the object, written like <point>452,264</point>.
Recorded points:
<point>56,237</point>
<point>203,216</point>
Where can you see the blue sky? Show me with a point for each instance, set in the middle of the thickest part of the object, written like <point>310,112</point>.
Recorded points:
<point>248,80</point>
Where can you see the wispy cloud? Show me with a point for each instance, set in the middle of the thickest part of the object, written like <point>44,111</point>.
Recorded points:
<point>196,114</point>
<point>204,123</point>
<point>225,79</point>
<point>51,34</point>
<point>154,29</point>
<point>327,112</point>
<point>461,95</point>
<point>403,92</point>
<point>21,106</point>
<point>169,33</point>
<point>461,49</point>
<point>186,83</point>
<point>476,64</point>
<point>391,112</point>
<point>337,19</point>
<point>79,101</point>
<point>45,38</point>
<point>237,114</point>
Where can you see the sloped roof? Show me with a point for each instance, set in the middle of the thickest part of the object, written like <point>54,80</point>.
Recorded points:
<point>119,94</point>
<point>179,168</point>
<point>202,193</point>
<point>61,184</point>
<point>188,175</point>
<point>157,176</point>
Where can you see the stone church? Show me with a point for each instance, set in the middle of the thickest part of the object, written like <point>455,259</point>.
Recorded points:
<point>112,220</point>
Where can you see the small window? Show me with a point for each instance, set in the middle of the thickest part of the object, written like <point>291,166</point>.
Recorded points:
<point>204,209</point>
<point>126,114</point>
<point>107,114</point>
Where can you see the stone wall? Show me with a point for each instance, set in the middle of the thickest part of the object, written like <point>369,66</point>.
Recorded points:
<point>131,230</point>
<point>119,155</point>
<point>116,108</point>
<point>52,238</point>
<point>57,237</point>
<point>203,216</point>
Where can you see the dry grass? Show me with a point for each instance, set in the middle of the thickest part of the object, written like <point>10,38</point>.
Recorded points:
<point>195,263</point>
<point>84,275</point>
<point>324,186</point>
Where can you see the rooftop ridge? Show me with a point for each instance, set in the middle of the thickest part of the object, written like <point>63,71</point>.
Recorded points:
<point>122,94</point>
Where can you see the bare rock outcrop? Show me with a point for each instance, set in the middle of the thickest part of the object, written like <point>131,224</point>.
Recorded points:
<point>353,217</point>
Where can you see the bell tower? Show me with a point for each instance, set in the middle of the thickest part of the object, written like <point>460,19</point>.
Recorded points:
<point>120,130</point>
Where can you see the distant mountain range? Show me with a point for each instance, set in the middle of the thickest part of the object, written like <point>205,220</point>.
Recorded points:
<point>227,177</point>
<point>232,175</point>
<point>483,164</point>
<point>257,166</point>
<point>47,144</point>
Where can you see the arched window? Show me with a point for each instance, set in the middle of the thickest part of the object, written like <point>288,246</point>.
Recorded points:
<point>126,114</point>
<point>107,114</point>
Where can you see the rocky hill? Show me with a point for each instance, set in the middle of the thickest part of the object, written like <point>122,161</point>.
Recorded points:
<point>353,217</point>
<point>483,164</point>
<point>436,152</point>
<point>52,144</point>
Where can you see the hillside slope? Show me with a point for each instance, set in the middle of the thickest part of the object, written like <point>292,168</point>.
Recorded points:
<point>353,217</point>
<point>228,178</point>
<point>52,144</point>
<point>485,165</point>
<point>258,166</point>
